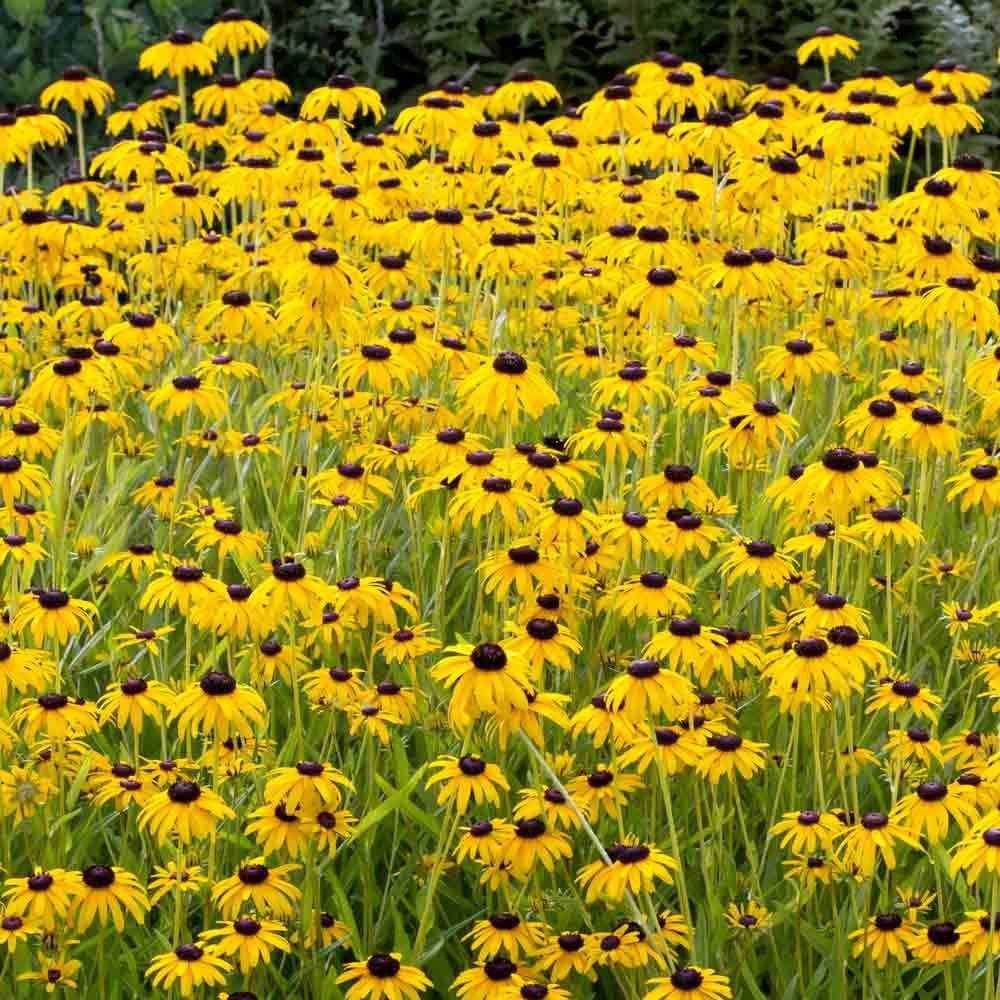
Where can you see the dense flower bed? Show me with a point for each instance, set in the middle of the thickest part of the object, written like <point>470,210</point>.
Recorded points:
<point>522,551</point>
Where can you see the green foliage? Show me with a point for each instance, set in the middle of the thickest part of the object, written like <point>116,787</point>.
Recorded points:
<point>404,46</point>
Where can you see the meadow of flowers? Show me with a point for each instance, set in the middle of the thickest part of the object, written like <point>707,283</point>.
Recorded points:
<point>521,551</point>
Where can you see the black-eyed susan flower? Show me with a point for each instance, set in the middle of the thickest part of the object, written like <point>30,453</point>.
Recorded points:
<point>931,807</point>
<point>189,967</point>
<point>484,840</point>
<point>567,953</point>
<point>234,33</point>
<point>756,558</point>
<point>979,935</point>
<point>43,898</point>
<point>178,54</point>
<point>185,810</point>
<point>134,700</point>
<point>483,678</point>
<point>22,670</point>
<point>309,785</point>
<point>649,595</point>
<point>534,842</point>
<point>504,933</point>
<point>726,756</point>
<point>496,977</point>
<point>883,937</point>
<point>53,971</point>
<point>383,976</point>
<point>936,943</point>
<point>53,614</point>
<point>875,836</point>
<point>186,392</point>
<point>901,695</point>
<point>246,940</point>
<point>172,878</point>
<point>107,893</point>
<point>179,587</point>
<point>506,388</point>
<point>219,706</point>
<point>56,715</point>
<point>635,867</point>
<point>266,889</point>
<point>807,831</point>
<point>465,779</point>
<point>689,983</point>
<point>748,917</point>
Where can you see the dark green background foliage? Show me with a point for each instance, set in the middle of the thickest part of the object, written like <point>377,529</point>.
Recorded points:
<point>403,46</point>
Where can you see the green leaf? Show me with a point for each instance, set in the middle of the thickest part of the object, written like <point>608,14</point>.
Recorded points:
<point>25,12</point>
<point>397,800</point>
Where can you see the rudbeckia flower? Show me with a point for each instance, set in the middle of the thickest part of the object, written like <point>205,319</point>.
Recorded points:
<point>78,89</point>
<point>218,706</point>
<point>177,55</point>
<point>466,779</point>
<point>234,33</point>
<point>185,810</point>
<point>188,966</point>
<point>383,977</point>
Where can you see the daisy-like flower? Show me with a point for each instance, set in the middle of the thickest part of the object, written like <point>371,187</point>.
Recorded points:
<point>649,595</point>
<point>170,879</point>
<point>185,393</point>
<point>53,614</point>
<point>467,779</point>
<point>494,978</point>
<point>345,96</point>
<point>55,715</point>
<point>749,917</point>
<point>534,842</point>
<point>309,785</point>
<point>23,670</point>
<point>189,968</point>
<point>757,558</point>
<point>42,898</point>
<point>488,677</point>
<point>408,644</point>
<point>689,983</point>
<point>133,701</point>
<point>504,933</point>
<point>107,893</point>
<point>883,937</point>
<point>726,756</point>
<point>634,867</point>
<point>807,832</point>
<point>219,706</point>
<point>979,935</point>
<point>645,688</point>
<point>827,44</point>
<point>247,940</point>
<point>506,388</point>
<point>904,696</point>
<point>484,840</point>
<point>264,888</point>
<point>931,807</point>
<point>876,835</point>
<point>234,33</point>
<point>78,89</point>
<point>185,810</point>
<point>383,977</point>
<point>179,587</point>
<point>15,930</point>
<point>565,954</point>
<point>938,942</point>
<point>53,971</point>
<point>178,54</point>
